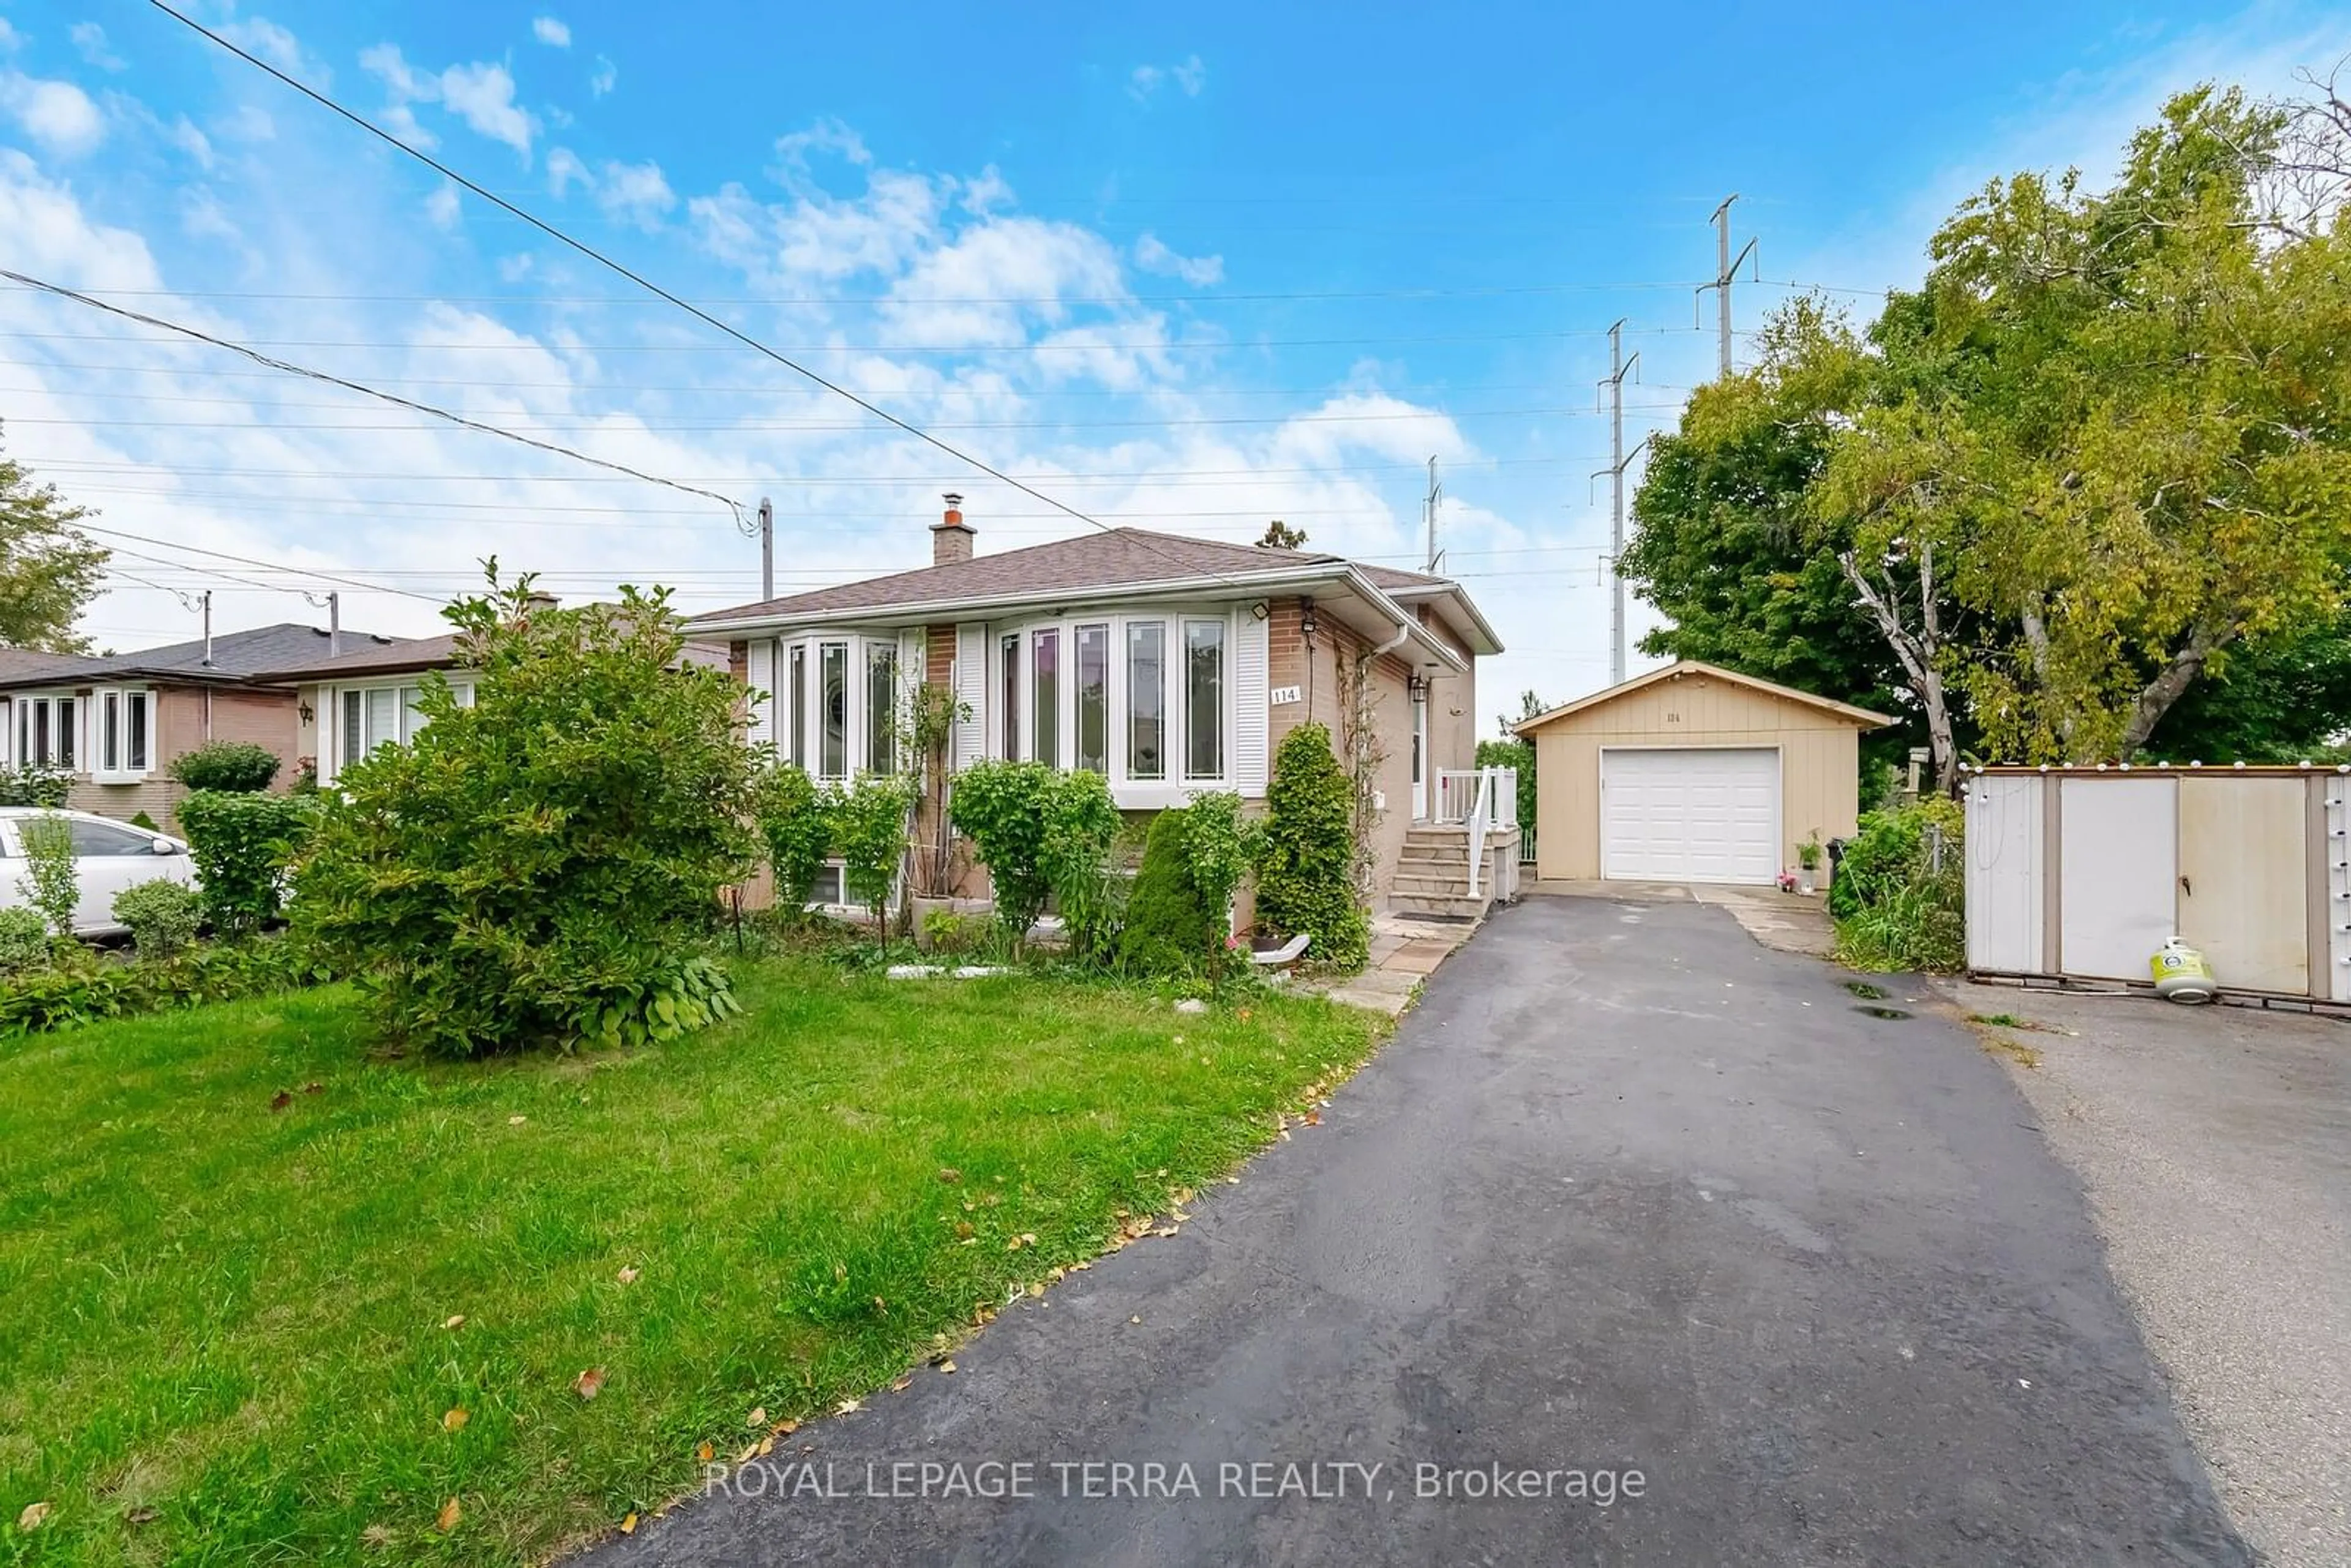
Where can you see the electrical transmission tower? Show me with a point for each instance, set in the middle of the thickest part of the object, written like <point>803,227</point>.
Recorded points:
<point>1726,268</point>
<point>1618,460</point>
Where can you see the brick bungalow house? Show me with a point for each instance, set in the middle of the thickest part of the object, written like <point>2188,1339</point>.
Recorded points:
<point>116,723</point>
<point>1171,665</point>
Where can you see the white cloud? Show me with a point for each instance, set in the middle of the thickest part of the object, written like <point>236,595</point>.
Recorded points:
<point>551,31</point>
<point>515,269</point>
<point>441,209</point>
<point>56,114</point>
<point>564,169</point>
<point>1189,75</point>
<point>259,36</point>
<point>182,134</point>
<point>826,136</point>
<point>636,192</point>
<point>605,78</point>
<point>482,94</point>
<point>245,122</point>
<point>9,36</point>
<point>90,39</point>
<point>1151,255</point>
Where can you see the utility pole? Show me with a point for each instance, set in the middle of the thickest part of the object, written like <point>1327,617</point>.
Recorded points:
<point>767,549</point>
<point>208,628</point>
<point>1436,494</point>
<point>334,622</point>
<point>1618,459</point>
<point>1726,267</point>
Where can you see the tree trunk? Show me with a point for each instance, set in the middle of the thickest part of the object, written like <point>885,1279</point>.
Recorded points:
<point>2155,699</point>
<point>1920,651</point>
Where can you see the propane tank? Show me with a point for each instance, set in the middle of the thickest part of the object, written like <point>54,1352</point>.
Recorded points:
<point>2181,974</point>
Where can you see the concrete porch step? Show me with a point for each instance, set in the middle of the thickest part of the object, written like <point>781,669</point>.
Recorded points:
<point>1438,884</point>
<point>1454,907</point>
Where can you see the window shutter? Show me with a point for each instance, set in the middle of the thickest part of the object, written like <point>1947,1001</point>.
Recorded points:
<point>1251,664</point>
<point>759,675</point>
<point>971,690</point>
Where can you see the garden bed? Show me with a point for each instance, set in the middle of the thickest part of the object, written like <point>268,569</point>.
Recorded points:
<point>275,1294</point>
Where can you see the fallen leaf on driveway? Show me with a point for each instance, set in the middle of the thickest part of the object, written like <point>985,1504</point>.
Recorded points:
<point>31,1518</point>
<point>849,1408</point>
<point>947,1367</point>
<point>449,1515</point>
<point>629,1525</point>
<point>703,1454</point>
<point>902,1383</point>
<point>589,1384</point>
<point>455,1418</point>
<point>757,1418</point>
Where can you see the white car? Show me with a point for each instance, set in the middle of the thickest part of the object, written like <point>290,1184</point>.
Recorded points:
<point>108,856</point>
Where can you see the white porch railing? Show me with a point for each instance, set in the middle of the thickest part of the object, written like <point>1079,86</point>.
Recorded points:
<point>1484,800</point>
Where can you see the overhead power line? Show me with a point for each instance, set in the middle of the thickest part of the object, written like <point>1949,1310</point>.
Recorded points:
<point>643,282</point>
<point>288,367</point>
<point>1080,345</point>
<point>88,528</point>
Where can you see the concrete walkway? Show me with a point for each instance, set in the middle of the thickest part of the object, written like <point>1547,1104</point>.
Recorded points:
<point>1404,953</point>
<point>1627,1196</point>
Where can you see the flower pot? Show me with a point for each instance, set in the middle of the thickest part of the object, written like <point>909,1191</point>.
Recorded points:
<point>1804,876</point>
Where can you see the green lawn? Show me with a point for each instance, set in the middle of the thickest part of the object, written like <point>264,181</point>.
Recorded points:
<point>224,1327</point>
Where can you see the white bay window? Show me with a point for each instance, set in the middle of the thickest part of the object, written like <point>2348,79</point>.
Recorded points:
<point>834,708</point>
<point>1096,692</point>
<point>356,719</point>
<point>47,730</point>
<point>120,741</point>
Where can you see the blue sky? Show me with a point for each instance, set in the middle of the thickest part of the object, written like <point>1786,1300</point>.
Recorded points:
<point>1188,268</point>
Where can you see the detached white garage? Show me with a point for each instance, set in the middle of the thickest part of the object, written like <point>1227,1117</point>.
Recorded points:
<point>1692,773</point>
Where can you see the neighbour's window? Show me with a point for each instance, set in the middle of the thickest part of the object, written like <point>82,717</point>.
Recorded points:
<point>1092,649</point>
<point>1045,694</point>
<point>833,758</point>
<point>104,838</point>
<point>1204,699</point>
<point>134,708</point>
<point>45,731</point>
<point>882,707</point>
<point>800,706</point>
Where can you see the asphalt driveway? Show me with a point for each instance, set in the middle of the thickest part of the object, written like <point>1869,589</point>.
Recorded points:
<point>1627,1193</point>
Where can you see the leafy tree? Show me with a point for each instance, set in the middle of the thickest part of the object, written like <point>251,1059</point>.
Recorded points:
<point>1279,535</point>
<point>49,572</point>
<point>1306,875</point>
<point>2275,700</point>
<point>538,866</point>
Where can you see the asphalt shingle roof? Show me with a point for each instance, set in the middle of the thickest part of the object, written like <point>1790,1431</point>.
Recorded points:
<point>235,655</point>
<point>1115,557</point>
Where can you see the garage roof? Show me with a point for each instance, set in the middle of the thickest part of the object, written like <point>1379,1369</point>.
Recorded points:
<point>1681,668</point>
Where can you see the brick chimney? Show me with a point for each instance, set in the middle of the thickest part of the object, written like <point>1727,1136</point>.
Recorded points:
<point>951,537</point>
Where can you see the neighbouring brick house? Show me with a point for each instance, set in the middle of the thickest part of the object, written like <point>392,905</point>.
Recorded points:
<point>116,723</point>
<point>1171,665</point>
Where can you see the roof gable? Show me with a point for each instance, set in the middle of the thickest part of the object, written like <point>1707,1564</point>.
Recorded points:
<point>1861,718</point>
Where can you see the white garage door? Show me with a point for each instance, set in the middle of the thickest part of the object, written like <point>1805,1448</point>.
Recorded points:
<point>1693,815</point>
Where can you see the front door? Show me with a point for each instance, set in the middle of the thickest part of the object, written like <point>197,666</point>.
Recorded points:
<point>1424,775</point>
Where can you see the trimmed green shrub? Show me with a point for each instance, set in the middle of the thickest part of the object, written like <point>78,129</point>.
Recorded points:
<point>1082,823</point>
<point>241,844</point>
<point>540,867</point>
<point>161,915</point>
<point>1169,929</point>
<point>798,832</point>
<point>50,882</point>
<point>24,940</point>
<point>870,820</point>
<point>999,806</point>
<point>141,820</point>
<point>33,786</point>
<point>1899,901</point>
<point>239,766</point>
<point>1306,870</point>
